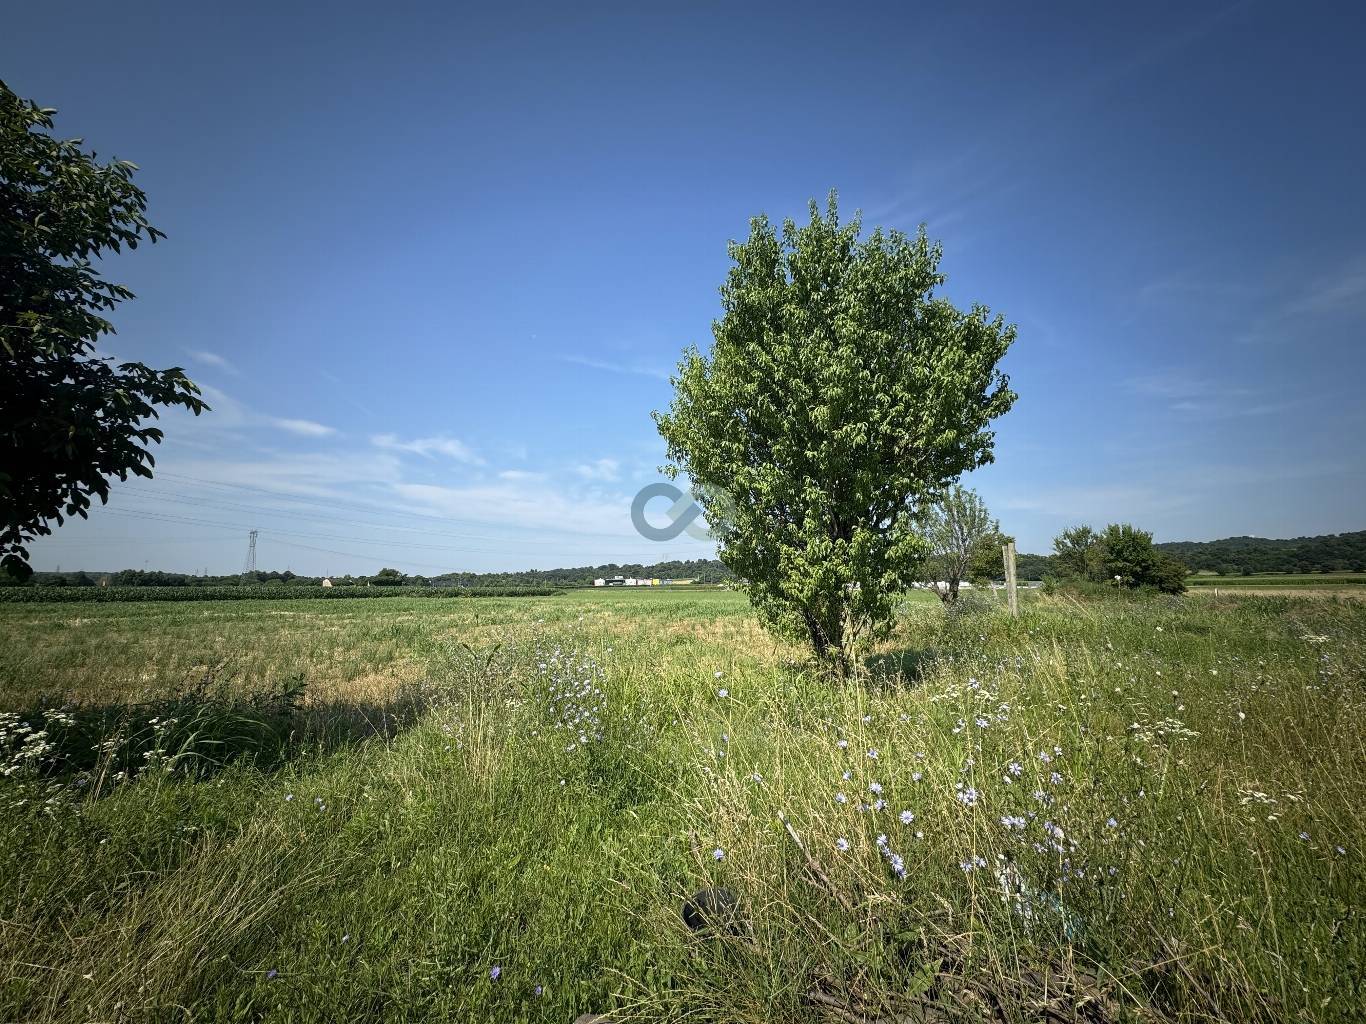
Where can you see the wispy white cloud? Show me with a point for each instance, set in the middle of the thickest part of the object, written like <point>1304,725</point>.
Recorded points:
<point>429,447</point>
<point>639,369</point>
<point>958,187</point>
<point>1177,501</point>
<point>304,428</point>
<point>1108,502</point>
<point>518,504</point>
<point>1342,290</point>
<point>1337,293</point>
<point>1192,284</point>
<point>351,476</point>
<point>1190,394</point>
<point>227,411</point>
<point>229,415</point>
<point>599,469</point>
<point>345,393</point>
<point>1177,385</point>
<point>507,518</point>
<point>1223,409</point>
<point>213,359</point>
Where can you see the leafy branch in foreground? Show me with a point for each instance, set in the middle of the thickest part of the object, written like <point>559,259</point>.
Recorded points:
<point>69,419</point>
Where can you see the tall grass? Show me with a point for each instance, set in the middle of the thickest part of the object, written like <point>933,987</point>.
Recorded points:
<point>1136,809</point>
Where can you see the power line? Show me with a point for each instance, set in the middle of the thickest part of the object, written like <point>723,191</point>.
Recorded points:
<point>180,497</point>
<point>330,503</point>
<point>172,517</point>
<point>107,539</point>
<point>232,528</point>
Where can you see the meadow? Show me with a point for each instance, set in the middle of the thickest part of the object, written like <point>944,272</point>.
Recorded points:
<point>1145,809</point>
<point>1285,579</point>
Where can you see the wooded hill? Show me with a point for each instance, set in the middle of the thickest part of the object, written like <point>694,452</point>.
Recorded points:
<point>1334,552</point>
<point>1236,556</point>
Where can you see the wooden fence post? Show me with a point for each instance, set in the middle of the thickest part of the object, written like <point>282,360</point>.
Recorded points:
<point>1008,553</point>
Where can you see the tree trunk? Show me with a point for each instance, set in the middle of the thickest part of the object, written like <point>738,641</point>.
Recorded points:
<point>829,648</point>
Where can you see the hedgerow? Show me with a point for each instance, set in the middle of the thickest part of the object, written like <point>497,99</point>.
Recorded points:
<point>30,595</point>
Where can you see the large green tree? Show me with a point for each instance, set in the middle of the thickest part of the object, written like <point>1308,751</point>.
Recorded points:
<point>69,418</point>
<point>840,396</point>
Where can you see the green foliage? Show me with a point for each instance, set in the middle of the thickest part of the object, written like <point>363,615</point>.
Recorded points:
<point>1243,556</point>
<point>1232,556</point>
<point>987,562</point>
<point>700,570</point>
<point>1122,555</point>
<point>161,578</point>
<point>69,419</point>
<point>964,543</point>
<point>1287,581</point>
<point>544,580</point>
<point>1168,575</point>
<point>1126,554</point>
<point>839,397</point>
<point>194,733</point>
<point>1033,567</point>
<point>1195,857</point>
<point>1076,555</point>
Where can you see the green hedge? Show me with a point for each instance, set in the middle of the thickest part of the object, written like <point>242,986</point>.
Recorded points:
<point>67,595</point>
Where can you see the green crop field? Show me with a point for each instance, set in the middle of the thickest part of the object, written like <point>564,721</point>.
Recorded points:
<point>495,810</point>
<point>1306,579</point>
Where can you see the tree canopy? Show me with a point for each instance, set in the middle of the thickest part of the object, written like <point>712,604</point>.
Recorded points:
<point>69,418</point>
<point>1339,552</point>
<point>963,540</point>
<point>840,395</point>
<point>1121,554</point>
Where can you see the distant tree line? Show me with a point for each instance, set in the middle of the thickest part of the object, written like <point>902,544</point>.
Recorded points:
<point>1343,552</point>
<point>1033,567</point>
<point>1242,556</point>
<point>37,594</point>
<point>701,570</point>
<point>698,570</point>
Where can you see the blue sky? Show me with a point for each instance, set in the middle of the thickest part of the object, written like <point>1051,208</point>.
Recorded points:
<point>433,263</point>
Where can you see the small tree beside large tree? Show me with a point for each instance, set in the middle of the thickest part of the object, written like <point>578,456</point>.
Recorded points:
<point>964,543</point>
<point>69,418</point>
<point>841,395</point>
